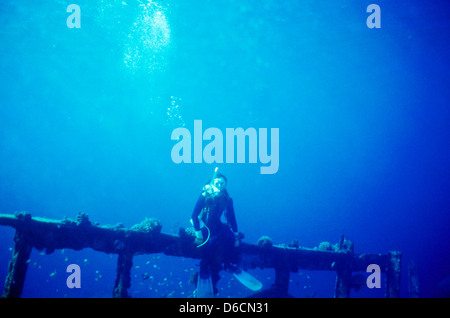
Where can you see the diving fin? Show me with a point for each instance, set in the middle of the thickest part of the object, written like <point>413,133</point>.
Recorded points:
<point>204,287</point>
<point>246,279</point>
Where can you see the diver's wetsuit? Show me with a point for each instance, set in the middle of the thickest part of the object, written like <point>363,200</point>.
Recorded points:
<point>217,205</point>
<point>220,246</point>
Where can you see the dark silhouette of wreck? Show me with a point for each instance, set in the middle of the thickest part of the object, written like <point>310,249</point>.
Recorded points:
<point>146,238</point>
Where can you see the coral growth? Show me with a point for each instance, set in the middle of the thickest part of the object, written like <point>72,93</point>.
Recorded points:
<point>83,219</point>
<point>327,246</point>
<point>148,225</point>
<point>265,241</point>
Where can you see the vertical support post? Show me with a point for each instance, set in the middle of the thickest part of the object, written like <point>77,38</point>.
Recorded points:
<point>123,278</point>
<point>343,283</point>
<point>282,275</point>
<point>18,265</point>
<point>393,275</point>
<point>413,280</point>
<point>344,270</point>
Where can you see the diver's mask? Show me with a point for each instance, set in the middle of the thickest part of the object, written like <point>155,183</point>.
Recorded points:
<point>219,184</point>
<point>216,185</point>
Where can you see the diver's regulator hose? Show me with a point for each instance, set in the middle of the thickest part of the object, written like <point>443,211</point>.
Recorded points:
<point>207,239</point>
<point>209,232</point>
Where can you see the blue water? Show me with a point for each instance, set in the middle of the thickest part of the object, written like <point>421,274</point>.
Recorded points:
<point>86,116</point>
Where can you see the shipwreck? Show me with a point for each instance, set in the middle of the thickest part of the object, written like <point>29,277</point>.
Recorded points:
<point>146,238</point>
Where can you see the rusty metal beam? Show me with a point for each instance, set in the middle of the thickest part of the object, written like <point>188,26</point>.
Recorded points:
<point>146,238</point>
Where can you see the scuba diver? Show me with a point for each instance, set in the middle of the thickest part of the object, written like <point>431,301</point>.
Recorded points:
<point>218,240</point>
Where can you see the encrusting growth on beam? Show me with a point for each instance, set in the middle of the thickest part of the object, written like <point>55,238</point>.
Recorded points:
<point>146,238</point>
